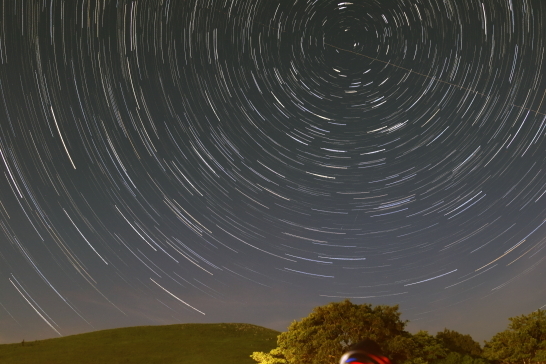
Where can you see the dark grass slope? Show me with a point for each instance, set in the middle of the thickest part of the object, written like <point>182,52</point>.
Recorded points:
<point>184,344</point>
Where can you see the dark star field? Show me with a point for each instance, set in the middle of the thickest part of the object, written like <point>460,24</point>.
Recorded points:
<point>176,161</point>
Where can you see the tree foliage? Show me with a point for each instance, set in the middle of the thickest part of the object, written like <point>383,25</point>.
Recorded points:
<point>275,356</point>
<point>459,343</point>
<point>425,348</point>
<point>457,358</point>
<point>523,342</point>
<point>322,337</point>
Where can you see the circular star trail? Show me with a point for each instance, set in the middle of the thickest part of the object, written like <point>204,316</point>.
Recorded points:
<point>165,160</point>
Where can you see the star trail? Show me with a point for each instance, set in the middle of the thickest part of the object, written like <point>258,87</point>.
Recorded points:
<point>244,161</point>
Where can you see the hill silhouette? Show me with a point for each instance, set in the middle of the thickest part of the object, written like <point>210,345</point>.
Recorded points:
<point>184,344</point>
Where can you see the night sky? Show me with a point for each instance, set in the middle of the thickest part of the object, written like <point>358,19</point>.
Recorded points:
<point>171,161</point>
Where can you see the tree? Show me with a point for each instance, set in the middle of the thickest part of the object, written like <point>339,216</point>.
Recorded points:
<point>323,336</point>
<point>425,348</point>
<point>459,343</point>
<point>275,356</point>
<point>523,342</point>
<point>457,358</point>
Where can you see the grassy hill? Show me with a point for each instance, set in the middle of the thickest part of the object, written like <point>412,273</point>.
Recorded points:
<point>184,344</point>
